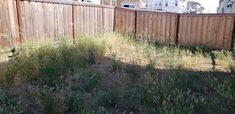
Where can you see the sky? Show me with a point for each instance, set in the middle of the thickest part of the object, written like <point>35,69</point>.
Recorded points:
<point>209,5</point>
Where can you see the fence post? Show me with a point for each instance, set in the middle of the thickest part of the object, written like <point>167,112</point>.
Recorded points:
<point>102,24</point>
<point>114,19</point>
<point>177,29</point>
<point>73,20</point>
<point>19,20</point>
<point>233,41</point>
<point>135,29</point>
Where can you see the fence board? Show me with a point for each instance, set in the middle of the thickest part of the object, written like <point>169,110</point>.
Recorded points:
<point>46,20</point>
<point>164,29</point>
<point>93,21</point>
<point>125,21</point>
<point>9,31</point>
<point>43,20</point>
<point>214,31</point>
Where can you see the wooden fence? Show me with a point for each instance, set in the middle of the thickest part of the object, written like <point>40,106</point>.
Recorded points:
<point>155,26</point>
<point>38,21</point>
<point>9,31</point>
<point>213,30</point>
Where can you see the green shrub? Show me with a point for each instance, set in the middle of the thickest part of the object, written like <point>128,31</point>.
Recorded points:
<point>48,63</point>
<point>8,73</point>
<point>232,68</point>
<point>48,104</point>
<point>76,102</point>
<point>89,48</point>
<point>90,79</point>
<point>131,99</point>
<point>9,104</point>
<point>116,64</point>
<point>183,102</point>
<point>107,98</point>
<point>223,98</point>
<point>149,97</point>
<point>133,71</point>
<point>151,67</point>
<point>46,100</point>
<point>165,95</point>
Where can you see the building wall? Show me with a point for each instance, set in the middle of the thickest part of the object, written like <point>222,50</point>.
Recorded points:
<point>90,1</point>
<point>226,6</point>
<point>138,3</point>
<point>176,6</point>
<point>194,7</point>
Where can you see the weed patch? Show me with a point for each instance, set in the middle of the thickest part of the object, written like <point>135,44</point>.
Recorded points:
<point>116,74</point>
<point>9,104</point>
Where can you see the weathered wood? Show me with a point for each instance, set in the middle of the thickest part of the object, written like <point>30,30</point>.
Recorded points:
<point>9,30</point>
<point>56,19</point>
<point>214,31</point>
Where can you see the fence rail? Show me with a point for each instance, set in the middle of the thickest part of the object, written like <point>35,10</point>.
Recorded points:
<point>37,21</point>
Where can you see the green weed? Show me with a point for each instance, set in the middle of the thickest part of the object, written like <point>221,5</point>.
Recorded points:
<point>76,102</point>
<point>232,68</point>
<point>131,99</point>
<point>116,64</point>
<point>151,67</point>
<point>90,79</point>
<point>9,104</point>
<point>8,73</point>
<point>46,100</point>
<point>133,71</point>
<point>107,98</point>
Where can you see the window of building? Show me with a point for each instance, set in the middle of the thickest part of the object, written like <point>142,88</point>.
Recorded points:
<point>222,10</point>
<point>166,4</point>
<point>126,6</point>
<point>132,6</point>
<point>176,3</point>
<point>160,3</point>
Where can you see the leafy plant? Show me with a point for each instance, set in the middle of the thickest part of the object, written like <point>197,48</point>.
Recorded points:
<point>90,79</point>
<point>47,101</point>
<point>133,71</point>
<point>8,103</point>
<point>116,64</point>
<point>232,67</point>
<point>151,67</point>
<point>76,102</point>
<point>8,73</point>
<point>107,98</point>
<point>131,99</point>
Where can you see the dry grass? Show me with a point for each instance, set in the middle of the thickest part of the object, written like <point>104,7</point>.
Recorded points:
<point>167,57</point>
<point>115,74</point>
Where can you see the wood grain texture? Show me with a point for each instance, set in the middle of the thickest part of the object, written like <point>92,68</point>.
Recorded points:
<point>213,31</point>
<point>9,30</point>
<point>46,20</point>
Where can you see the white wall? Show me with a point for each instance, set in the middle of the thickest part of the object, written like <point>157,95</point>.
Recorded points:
<point>223,6</point>
<point>176,6</point>
<point>89,1</point>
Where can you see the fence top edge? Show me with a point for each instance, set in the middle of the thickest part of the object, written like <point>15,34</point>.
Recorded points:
<point>143,10</point>
<point>207,14</point>
<point>70,3</point>
<point>170,13</point>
